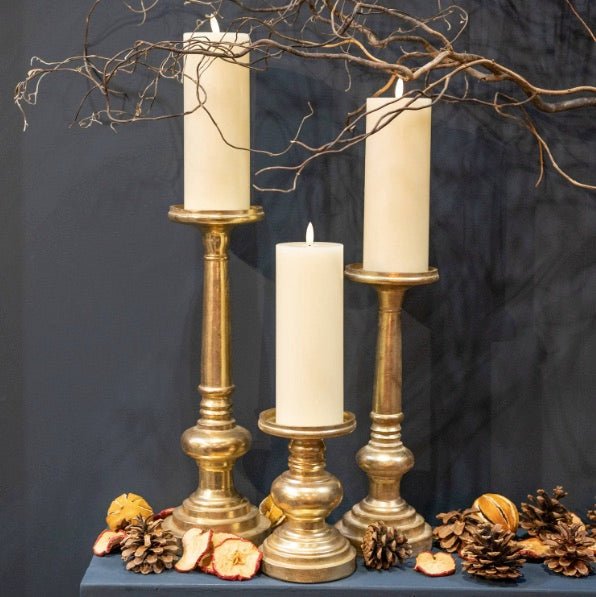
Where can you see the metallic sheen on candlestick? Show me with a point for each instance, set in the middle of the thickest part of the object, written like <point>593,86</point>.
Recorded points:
<point>305,549</point>
<point>385,459</point>
<point>216,442</point>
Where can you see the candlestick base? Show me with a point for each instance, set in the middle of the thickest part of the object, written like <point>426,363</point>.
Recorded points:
<point>396,513</point>
<point>305,549</point>
<point>216,442</point>
<point>385,459</point>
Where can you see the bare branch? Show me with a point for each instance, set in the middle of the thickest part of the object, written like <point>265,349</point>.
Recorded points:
<point>374,36</point>
<point>579,18</point>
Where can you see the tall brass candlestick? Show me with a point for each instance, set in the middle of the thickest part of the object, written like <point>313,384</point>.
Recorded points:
<point>216,442</point>
<point>385,459</point>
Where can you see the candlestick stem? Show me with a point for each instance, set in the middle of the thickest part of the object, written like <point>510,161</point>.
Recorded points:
<point>216,442</point>
<point>216,380</point>
<point>385,459</point>
<point>388,373</point>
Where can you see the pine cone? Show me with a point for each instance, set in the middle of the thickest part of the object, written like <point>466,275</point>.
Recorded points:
<point>457,528</point>
<point>384,546</point>
<point>148,547</point>
<point>592,518</point>
<point>572,550</point>
<point>542,513</point>
<point>492,554</point>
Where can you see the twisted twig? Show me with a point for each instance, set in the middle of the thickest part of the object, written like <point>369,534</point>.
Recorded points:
<point>374,36</point>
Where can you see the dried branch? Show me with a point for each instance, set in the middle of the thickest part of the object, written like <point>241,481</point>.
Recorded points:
<point>372,36</point>
<point>579,18</point>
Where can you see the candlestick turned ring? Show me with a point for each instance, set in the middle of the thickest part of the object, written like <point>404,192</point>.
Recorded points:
<point>305,548</point>
<point>385,459</point>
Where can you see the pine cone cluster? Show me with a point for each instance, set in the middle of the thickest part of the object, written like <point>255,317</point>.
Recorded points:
<point>148,547</point>
<point>540,515</point>
<point>493,554</point>
<point>384,546</point>
<point>457,530</point>
<point>572,550</point>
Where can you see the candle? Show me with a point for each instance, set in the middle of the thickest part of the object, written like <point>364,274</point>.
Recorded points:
<point>397,185</point>
<point>309,334</point>
<point>216,176</point>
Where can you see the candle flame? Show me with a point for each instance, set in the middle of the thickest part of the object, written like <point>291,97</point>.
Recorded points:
<point>399,88</point>
<point>214,24</point>
<point>310,234</point>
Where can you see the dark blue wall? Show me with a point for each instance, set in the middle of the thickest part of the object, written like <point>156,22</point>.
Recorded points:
<point>101,295</point>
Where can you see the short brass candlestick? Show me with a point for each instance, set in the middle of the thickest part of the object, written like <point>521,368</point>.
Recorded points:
<point>216,442</point>
<point>305,548</point>
<point>385,459</point>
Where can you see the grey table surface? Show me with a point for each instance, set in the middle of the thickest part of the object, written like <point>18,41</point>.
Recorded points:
<point>106,577</point>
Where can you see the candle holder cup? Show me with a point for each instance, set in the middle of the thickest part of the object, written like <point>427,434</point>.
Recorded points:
<point>216,442</point>
<point>385,459</point>
<point>305,549</point>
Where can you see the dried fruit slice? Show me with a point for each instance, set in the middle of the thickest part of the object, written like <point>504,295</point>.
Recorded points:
<point>533,549</point>
<point>163,514</point>
<point>236,559</point>
<point>272,511</point>
<point>206,562</point>
<point>107,541</point>
<point>125,508</point>
<point>195,544</point>
<point>435,564</point>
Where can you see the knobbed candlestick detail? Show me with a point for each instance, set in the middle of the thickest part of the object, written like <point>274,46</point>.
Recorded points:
<point>216,442</point>
<point>305,548</point>
<point>385,459</point>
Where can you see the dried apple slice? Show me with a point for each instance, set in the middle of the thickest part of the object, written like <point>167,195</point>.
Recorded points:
<point>435,564</point>
<point>163,514</point>
<point>195,544</point>
<point>236,559</point>
<point>107,541</point>
<point>533,549</point>
<point>206,562</point>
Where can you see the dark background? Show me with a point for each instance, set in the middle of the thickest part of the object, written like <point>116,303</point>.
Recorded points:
<point>101,295</point>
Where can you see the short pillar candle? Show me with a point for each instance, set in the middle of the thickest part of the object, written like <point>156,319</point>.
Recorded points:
<point>309,333</point>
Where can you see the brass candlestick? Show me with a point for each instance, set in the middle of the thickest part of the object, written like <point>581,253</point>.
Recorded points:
<point>385,459</point>
<point>216,442</point>
<point>305,548</point>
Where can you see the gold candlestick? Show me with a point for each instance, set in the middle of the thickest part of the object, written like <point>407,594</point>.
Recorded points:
<point>305,548</point>
<point>385,459</point>
<point>216,442</point>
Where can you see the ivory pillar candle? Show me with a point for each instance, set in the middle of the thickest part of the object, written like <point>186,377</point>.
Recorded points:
<point>216,176</point>
<point>396,187</point>
<point>309,333</point>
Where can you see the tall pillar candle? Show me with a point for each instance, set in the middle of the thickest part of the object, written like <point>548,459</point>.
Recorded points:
<point>396,187</point>
<point>309,333</point>
<point>216,176</point>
